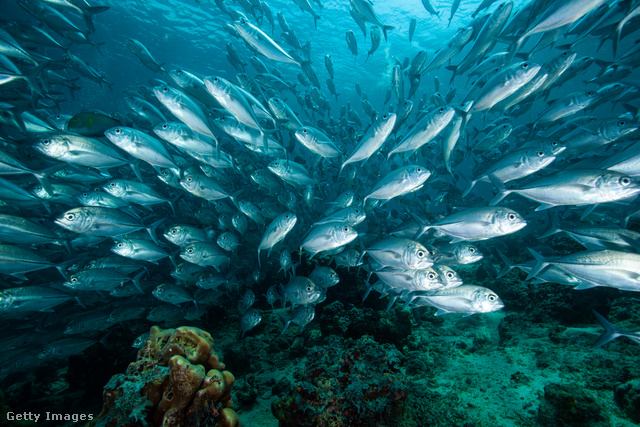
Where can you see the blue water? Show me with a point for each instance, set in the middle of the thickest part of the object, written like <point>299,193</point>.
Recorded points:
<point>488,368</point>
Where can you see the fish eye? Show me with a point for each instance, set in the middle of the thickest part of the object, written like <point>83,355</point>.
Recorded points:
<point>85,194</point>
<point>223,237</point>
<point>345,229</point>
<point>190,250</point>
<point>512,217</point>
<point>525,65</point>
<point>74,279</point>
<point>216,80</point>
<point>441,109</point>
<point>419,169</point>
<point>431,276</point>
<point>179,269</point>
<point>309,288</point>
<point>70,217</point>
<point>622,122</point>
<point>46,141</point>
<point>357,211</point>
<point>179,72</point>
<point>472,249</point>
<point>304,131</point>
<point>540,153</point>
<point>121,245</point>
<point>164,126</point>
<point>112,184</point>
<point>492,298</point>
<point>174,231</point>
<point>165,89</point>
<point>420,254</point>
<point>449,275</point>
<point>625,180</point>
<point>118,131</point>
<point>554,143</point>
<point>189,178</point>
<point>590,93</point>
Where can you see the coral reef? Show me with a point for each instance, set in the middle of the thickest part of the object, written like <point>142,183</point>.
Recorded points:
<point>627,396</point>
<point>568,405</point>
<point>177,380</point>
<point>345,383</point>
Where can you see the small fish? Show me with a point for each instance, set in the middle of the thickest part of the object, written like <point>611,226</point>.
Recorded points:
<point>324,276</point>
<point>249,320</point>
<point>303,315</point>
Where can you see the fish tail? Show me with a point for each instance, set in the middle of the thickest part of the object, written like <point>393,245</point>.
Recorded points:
<point>539,266</point>
<point>610,331</point>
<point>386,28</point>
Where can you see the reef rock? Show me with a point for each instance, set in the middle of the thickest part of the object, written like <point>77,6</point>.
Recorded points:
<point>177,380</point>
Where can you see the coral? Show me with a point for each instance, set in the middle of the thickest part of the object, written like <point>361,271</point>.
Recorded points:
<point>353,382</point>
<point>177,380</point>
<point>627,396</point>
<point>569,405</point>
<point>393,326</point>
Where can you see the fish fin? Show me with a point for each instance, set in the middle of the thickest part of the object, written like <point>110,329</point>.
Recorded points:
<point>610,331</point>
<point>588,211</point>
<point>424,226</point>
<point>539,266</point>
<point>386,28</point>
<point>136,280</point>
<point>502,191</point>
<point>508,265</point>
<point>543,207</point>
<point>585,285</point>
<point>152,230</point>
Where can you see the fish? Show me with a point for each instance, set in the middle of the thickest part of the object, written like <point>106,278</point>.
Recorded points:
<point>406,179</point>
<point>303,315</point>
<point>575,187</point>
<point>365,10</point>
<point>424,131</point>
<point>352,44</point>
<point>372,140</point>
<point>475,224</point>
<point>317,141</point>
<point>375,41</point>
<point>611,332</point>
<point>400,253</point>
<point>261,42</point>
<point>276,232</point>
<point>142,146</point>
<point>144,55</point>
<point>412,28</point>
<point>300,290</point>
<point>324,276</point>
<point>80,151</point>
<point>466,299</point>
<point>249,320</point>
<point>184,108</point>
<point>328,236</point>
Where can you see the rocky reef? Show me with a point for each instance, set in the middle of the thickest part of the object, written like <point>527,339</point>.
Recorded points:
<point>177,380</point>
<point>346,383</point>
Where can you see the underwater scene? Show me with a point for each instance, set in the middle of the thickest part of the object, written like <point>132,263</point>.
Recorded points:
<point>319,213</point>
